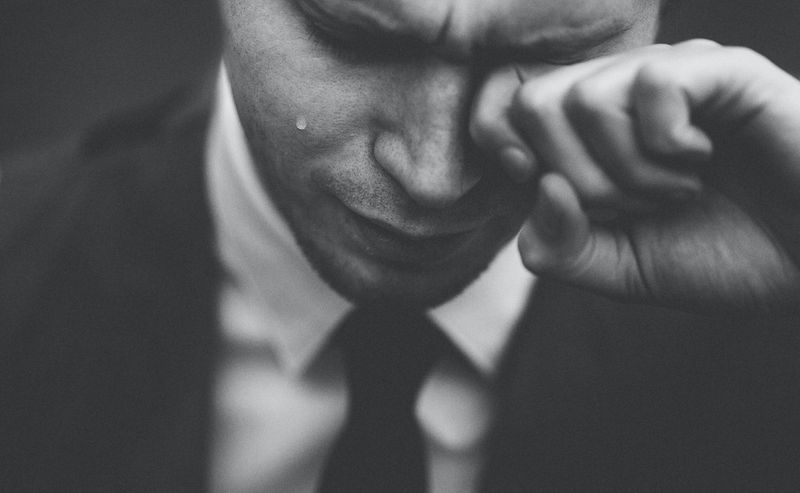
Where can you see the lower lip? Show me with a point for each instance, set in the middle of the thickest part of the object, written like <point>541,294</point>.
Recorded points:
<point>405,251</point>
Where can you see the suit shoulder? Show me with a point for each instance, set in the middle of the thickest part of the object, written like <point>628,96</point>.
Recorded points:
<point>177,113</point>
<point>35,181</point>
<point>64,207</point>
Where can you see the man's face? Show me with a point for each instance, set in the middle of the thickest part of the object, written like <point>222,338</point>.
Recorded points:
<point>357,114</point>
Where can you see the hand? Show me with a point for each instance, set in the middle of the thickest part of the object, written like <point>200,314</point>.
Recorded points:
<point>694,147</point>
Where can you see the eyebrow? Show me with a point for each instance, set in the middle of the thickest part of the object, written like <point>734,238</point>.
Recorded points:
<point>324,24</point>
<point>565,42</point>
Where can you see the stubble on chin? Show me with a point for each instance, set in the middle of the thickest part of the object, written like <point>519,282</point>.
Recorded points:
<point>413,287</point>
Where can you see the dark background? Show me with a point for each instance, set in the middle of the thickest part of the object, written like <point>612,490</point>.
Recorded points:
<point>64,63</point>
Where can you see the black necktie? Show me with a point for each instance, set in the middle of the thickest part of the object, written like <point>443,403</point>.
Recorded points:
<point>387,355</point>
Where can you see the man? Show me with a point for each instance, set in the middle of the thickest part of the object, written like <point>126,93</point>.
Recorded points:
<point>162,332</point>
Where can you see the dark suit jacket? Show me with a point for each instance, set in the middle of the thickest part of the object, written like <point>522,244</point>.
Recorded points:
<point>107,317</point>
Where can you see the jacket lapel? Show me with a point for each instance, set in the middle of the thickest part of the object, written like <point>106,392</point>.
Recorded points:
<point>603,396</point>
<point>563,384</point>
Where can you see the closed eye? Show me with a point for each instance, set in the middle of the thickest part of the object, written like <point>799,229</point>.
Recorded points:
<point>358,46</point>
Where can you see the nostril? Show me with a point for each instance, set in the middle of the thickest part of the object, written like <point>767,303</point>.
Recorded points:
<point>439,190</point>
<point>434,176</point>
<point>434,198</point>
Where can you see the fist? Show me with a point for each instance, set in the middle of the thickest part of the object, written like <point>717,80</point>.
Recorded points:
<point>668,174</point>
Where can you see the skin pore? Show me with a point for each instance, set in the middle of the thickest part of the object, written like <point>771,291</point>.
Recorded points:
<point>385,192</point>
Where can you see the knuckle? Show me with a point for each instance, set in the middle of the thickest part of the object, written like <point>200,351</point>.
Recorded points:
<point>481,126</point>
<point>654,76</point>
<point>536,100</point>
<point>748,55</point>
<point>583,93</point>
<point>648,50</point>
<point>585,101</point>
<point>699,43</point>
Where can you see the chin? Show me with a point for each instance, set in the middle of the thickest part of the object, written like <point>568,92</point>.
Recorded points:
<point>362,281</point>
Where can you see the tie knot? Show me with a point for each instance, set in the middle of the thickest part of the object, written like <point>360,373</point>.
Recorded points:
<point>388,352</point>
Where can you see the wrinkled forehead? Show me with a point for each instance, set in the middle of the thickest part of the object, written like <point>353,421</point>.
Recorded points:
<point>463,25</point>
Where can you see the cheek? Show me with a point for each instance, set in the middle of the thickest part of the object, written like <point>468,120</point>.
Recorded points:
<point>285,89</point>
<point>308,110</point>
<point>297,125</point>
<point>310,134</point>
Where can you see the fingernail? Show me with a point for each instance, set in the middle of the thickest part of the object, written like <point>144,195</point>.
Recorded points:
<point>697,145</point>
<point>517,164</point>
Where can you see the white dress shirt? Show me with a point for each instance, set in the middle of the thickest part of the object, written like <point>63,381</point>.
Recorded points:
<point>280,392</point>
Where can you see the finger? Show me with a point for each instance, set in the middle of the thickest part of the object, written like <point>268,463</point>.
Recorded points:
<point>538,113</point>
<point>558,241</point>
<point>664,116</point>
<point>491,129</point>
<point>721,87</point>
<point>607,129</point>
<point>600,109</point>
<point>555,236</point>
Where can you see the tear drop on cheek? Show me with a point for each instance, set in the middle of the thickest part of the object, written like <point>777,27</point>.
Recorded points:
<point>301,123</point>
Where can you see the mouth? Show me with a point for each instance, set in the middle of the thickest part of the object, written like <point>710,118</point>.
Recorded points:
<point>410,245</point>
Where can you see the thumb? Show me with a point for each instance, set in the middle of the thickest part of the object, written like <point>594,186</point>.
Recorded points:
<point>554,238</point>
<point>559,241</point>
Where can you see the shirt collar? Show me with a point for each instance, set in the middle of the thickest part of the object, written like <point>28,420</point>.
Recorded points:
<point>296,310</point>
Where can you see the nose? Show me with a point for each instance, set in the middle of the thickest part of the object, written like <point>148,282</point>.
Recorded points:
<point>424,145</point>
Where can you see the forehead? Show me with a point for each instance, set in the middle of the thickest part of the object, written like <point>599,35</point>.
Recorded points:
<point>464,25</point>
